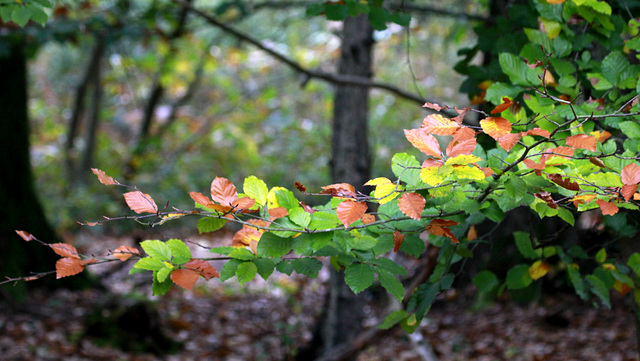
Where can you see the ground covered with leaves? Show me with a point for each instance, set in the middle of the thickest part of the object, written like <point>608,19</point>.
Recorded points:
<point>270,320</point>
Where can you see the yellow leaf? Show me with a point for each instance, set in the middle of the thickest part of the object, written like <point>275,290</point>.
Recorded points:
<point>538,269</point>
<point>463,159</point>
<point>466,172</point>
<point>388,191</point>
<point>377,181</point>
<point>272,200</point>
<point>168,265</point>
<point>435,175</point>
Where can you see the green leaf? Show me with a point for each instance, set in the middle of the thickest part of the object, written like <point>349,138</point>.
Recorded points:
<point>150,264</point>
<point>486,281</point>
<point>160,288</point>
<point>566,216</point>
<point>634,263</point>
<point>601,256</point>
<point>599,289</point>
<point>631,129</point>
<point>576,281</point>
<point>265,267</point>
<point>246,271</point>
<point>162,274</point>
<point>21,15</point>
<point>412,245</point>
<point>378,17</point>
<point>271,245</point>
<point>242,254</point>
<point>285,267</point>
<point>391,284</point>
<point>423,297</point>
<point>523,242</point>
<point>300,217</point>
<point>516,187</point>
<point>229,269</point>
<point>364,243</point>
<point>256,188</point>
<point>618,71</point>
<point>323,220</point>
<point>157,249</point>
<point>286,199</point>
<point>393,318</point>
<point>407,168</point>
<point>517,71</point>
<point>38,15</point>
<point>181,253</point>
<point>518,277</point>
<point>307,266</point>
<point>359,276</point>
<point>384,245</point>
<point>210,224</point>
<point>6,12</point>
<point>388,265</point>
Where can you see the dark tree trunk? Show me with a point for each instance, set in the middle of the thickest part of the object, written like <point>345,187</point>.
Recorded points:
<point>342,316</point>
<point>20,208</point>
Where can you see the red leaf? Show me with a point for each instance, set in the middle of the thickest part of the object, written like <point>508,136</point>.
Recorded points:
<point>68,267</point>
<point>123,253</point>
<point>564,182</point>
<point>103,177</point>
<point>456,148</point>
<point>397,241</point>
<point>496,127</point>
<point>437,124</point>
<point>350,211</point>
<point>65,250</point>
<point>539,131</point>
<point>205,269</point>
<point>411,204</point>
<point>509,140</point>
<point>223,191</point>
<point>628,190</point>
<point>276,213</point>
<point>185,278</point>
<point>368,218</point>
<point>140,202</point>
<point>502,107</point>
<point>340,190</point>
<point>435,107</point>
<point>300,187</point>
<point>630,174</point>
<point>582,141</point>
<point>607,208</point>
<point>201,199</point>
<point>25,235</point>
<point>426,143</point>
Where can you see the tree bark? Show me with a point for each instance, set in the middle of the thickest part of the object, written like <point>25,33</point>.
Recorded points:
<point>342,316</point>
<point>20,209</point>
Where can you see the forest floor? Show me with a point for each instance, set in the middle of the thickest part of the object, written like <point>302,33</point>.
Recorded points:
<point>270,320</point>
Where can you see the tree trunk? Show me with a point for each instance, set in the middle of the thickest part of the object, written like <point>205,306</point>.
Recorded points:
<point>342,316</point>
<point>20,209</point>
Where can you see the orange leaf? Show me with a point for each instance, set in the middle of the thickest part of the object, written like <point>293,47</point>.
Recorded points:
<point>65,250</point>
<point>245,236</point>
<point>563,182</point>
<point>538,270</point>
<point>278,212</point>
<point>582,141</point>
<point>442,231</point>
<point>430,162</point>
<point>495,127</point>
<point>502,107</point>
<point>622,288</point>
<point>435,107</point>
<point>539,131</point>
<point>223,191</point>
<point>205,269</point>
<point>549,79</point>
<point>628,190</point>
<point>425,142</point>
<point>397,241</point>
<point>443,222</point>
<point>412,205</point>
<point>340,190</point>
<point>437,124</point>
<point>607,208</point>
<point>25,235</point>
<point>350,211</point>
<point>456,148</point>
<point>185,278</point>
<point>630,174</point>
<point>243,203</point>
<point>463,134</point>
<point>123,253</point>
<point>582,199</point>
<point>88,261</point>
<point>368,218</point>
<point>472,234</point>
<point>103,177</point>
<point>68,267</point>
<point>201,199</point>
<point>533,165</point>
<point>509,140</point>
<point>140,202</point>
<point>554,2</point>
<point>488,172</point>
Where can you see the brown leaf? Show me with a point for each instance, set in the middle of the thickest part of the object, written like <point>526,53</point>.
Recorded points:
<point>245,236</point>
<point>437,124</point>
<point>201,199</point>
<point>502,107</point>
<point>597,161</point>
<point>104,178</point>
<point>68,267</point>
<point>435,107</point>
<point>300,187</point>
<point>65,250</point>
<point>307,208</point>
<point>546,196</point>
<point>507,141</point>
<point>566,183</point>
<point>539,131</point>
<point>472,234</point>
<point>439,227</point>
<point>25,235</point>
<point>630,174</point>
<point>123,253</point>
<point>223,191</point>
<point>456,148</point>
<point>443,222</point>
<point>425,142</point>
<point>582,141</point>
<point>628,190</point>
<point>203,267</point>
<point>140,202</point>
<point>185,278</point>
<point>397,241</point>
<point>243,203</point>
<point>276,213</point>
<point>350,211</point>
<point>607,208</point>
<point>368,218</point>
<point>496,127</point>
<point>339,190</point>
<point>412,205</point>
